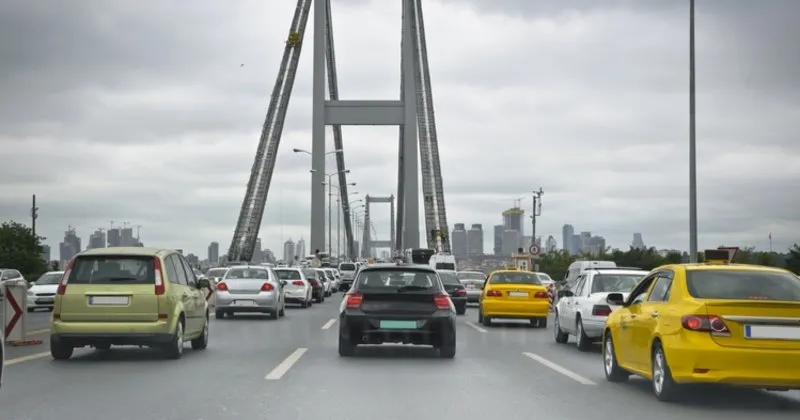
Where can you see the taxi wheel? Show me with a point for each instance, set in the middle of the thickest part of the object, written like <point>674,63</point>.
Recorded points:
<point>664,387</point>
<point>559,334</point>
<point>614,373</point>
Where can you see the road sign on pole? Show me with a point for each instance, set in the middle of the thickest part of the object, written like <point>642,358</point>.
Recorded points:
<point>534,249</point>
<point>13,312</point>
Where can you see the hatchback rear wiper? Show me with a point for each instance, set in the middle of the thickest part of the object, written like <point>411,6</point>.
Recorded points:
<point>411,288</point>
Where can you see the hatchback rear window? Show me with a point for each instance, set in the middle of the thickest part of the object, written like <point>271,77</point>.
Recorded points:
<point>392,280</point>
<point>516,278</point>
<point>216,272</point>
<point>112,269</point>
<point>743,285</point>
<point>312,274</point>
<point>288,274</point>
<point>347,267</point>
<point>449,278</point>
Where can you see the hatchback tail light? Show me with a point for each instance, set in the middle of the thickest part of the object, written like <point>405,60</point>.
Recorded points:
<point>315,283</point>
<point>461,292</point>
<point>442,301</point>
<point>298,283</point>
<point>222,286</point>
<point>354,300</point>
<point>62,286</point>
<point>159,273</point>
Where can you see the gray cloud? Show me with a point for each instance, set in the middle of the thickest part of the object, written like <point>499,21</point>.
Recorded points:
<point>145,114</point>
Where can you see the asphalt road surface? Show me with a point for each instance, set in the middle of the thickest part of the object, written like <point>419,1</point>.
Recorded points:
<point>289,369</point>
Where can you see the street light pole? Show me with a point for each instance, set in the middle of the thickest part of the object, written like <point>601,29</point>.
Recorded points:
<point>330,237</point>
<point>338,228</point>
<point>536,211</point>
<point>692,144</point>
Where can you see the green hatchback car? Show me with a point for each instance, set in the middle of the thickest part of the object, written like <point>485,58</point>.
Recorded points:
<point>129,296</point>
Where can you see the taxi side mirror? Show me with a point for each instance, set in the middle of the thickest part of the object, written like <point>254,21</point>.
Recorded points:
<point>615,299</point>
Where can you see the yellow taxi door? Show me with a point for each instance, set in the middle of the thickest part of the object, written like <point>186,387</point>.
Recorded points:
<point>645,324</point>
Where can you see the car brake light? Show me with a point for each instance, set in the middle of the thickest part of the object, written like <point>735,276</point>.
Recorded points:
<point>62,286</point>
<point>706,323</point>
<point>222,286</point>
<point>298,283</point>
<point>315,283</point>
<point>461,292</point>
<point>601,310</point>
<point>494,293</point>
<point>442,301</point>
<point>354,300</point>
<point>541,295</point>
<point>160,289</point>
<point>266,287</point>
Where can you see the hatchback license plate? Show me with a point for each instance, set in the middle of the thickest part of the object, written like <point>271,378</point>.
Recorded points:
<point>109,300</point>
<point>518,294</point>
<point>398,325</point>
<point>244,303</point>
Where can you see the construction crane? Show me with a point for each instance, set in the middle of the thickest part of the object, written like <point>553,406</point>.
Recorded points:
<point>432,189</point>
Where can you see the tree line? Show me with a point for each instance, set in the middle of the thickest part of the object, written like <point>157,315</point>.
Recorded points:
<point>556,263</point>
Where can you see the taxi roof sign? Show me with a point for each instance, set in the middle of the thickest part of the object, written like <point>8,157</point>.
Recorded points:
<point>731,250</point>
<point>717,256</point>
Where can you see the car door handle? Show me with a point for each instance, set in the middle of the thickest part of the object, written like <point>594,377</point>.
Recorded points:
<point>654,314</point>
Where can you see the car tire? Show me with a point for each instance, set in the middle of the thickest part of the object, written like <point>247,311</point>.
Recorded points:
<point>201,342</point>
<point>558,334</point>
<point>319,299</point>
<point>461,310</point>
<point>582,341</point>
<point>219,314</point>
<point>59,350</point>
<point>174,350</point>
<point>447,346</point>
<point>614,373</point>
<point>346,347</point>
<point>541,322</point>
<point>664,387</point>
<point>275,314</point>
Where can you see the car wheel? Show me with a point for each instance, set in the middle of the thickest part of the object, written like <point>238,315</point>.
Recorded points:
<point>664,387</point>
<point>174,350</point>
<point>219,314</point>
<point>201,342</point>
<point>582,341</point>
<point>346,347</point>
<point>447,348</point>
<point>274,314</point>
<point>558,334</point>
<point>614,373</point>
<point>59,350</point>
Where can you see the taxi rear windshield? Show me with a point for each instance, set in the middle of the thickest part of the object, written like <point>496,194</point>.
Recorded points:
<point>112,269</point>
<point>347,267</point>
<point>516,278</point>
<point>396,280</point>
<point>288,274</point>
<point>743,285</point>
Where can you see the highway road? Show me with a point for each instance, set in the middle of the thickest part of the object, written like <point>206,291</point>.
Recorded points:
<point>288,369</point>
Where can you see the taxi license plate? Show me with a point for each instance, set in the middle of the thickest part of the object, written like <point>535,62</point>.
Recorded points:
<point>244,303</point>
<point>771,332</point>
<point>518,294</point>
<point>398,325</point>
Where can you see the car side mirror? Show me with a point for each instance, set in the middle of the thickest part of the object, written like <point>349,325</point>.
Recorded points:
<point>615,299</point>
<point>565,293</point>
<point>203,283</point>
<point>283,282</point>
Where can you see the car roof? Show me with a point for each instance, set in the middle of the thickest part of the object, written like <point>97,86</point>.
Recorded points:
<point>391,266</point>
<point>127,250</point>
<point>617,271</point>
<point>721,267</point>
<point>260,267</point>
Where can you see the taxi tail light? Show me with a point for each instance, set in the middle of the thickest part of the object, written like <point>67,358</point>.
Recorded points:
<point>601,310</point>
<point>222,286</point>
<point>541,295</point>
<point>494,293</point>
<point>298,283</point>
<point>354,300</point>
<point>159,274</point>
<point>442,301</point>
<point>461,292</point>
<point>266,287</point>
<point>62,285</point>
<point>705,323</point>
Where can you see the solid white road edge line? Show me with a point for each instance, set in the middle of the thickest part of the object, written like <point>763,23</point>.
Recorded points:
<point>286,364</point>
<point>560,369</point>
<point>29,357</point>
<point>329,324</point>
<point>476,327</point>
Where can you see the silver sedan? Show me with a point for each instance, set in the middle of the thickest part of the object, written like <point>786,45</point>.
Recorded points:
<point>250,289</point>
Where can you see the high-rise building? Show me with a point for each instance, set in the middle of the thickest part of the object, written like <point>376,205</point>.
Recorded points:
<point>126,237</point>
<point>514,219</point>
<point>498,239</point>
<point>46,252</point>
<point>300,248</point>
<point>459,239</point>
<point>638,242</point>
<point>475,240</point>
<point>114,237</point>
<point>550,245</point>
<point>596,245</point>
<point>213,253</point>
<point>567,232</point>
<point>70,246</point>
<point>257,257</point>
<point>97,239</point>
<point>289,251</point>
<point>511,241</point>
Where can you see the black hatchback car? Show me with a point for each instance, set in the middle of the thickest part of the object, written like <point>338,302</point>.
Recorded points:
<point>316,277</point>
<point>397,303</point>
<point>456,290</point>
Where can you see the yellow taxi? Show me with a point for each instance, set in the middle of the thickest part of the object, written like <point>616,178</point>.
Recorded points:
<point>514,294</point>
<point>711,322</point>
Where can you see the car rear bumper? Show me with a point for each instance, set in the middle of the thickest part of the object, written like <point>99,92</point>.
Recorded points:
<point>473,295</point>
<point>35,302</point>
<point>246,303</point>
<point>760,368</point>
<point>120,333</point>
<point>119,339</point>
<point>346,285</point>
<point>360,328</point>
<point>525,309</point>
<point>460,301</point>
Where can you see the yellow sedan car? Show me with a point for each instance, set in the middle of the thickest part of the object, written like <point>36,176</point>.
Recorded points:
<point>512,294</point>
<point>712,322</point>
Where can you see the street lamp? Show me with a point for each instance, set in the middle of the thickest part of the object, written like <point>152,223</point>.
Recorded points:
<point>692,144</point>
<point>330,184</point>
<point>339,217</point>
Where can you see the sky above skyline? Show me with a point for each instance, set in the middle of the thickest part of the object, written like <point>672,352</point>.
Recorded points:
<point>150,113</point>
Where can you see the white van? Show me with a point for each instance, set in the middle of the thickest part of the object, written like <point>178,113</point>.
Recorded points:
<point>443,262</point>
<point>578,267</point>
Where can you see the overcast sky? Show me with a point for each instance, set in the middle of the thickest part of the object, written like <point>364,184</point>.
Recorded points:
<point>115,110</point>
